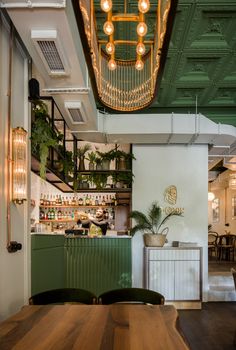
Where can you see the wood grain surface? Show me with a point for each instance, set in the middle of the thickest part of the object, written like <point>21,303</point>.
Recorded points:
<point>92,327</point>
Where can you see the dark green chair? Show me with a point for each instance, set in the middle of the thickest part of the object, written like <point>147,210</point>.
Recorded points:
<point>63,295</point>
<point>131,295</point>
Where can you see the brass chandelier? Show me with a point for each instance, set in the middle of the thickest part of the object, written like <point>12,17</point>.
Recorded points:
<point>125,68</point>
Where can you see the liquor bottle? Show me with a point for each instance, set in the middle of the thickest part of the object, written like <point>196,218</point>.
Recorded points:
<point>53,200</point>
<point>73,202</point>
<point>87,201</point>
<point>93,201</point>
<point>99,200</point>
<point>103,201</point>
<point>41,215</point>
<point>52,214</point>
<point>96,201</point>
<point>48,201</point>
<point>41,200</point>
<point>59,214</point>
<point>59,200</point>
<point>80,201</point>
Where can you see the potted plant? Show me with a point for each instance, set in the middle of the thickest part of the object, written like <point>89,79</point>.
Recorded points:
<point>66,162</point>
<point>91,157</point>
<point>123,159</point>
<point>122,179</point>
<point>81,155</point>
<point>106,158</point>
<point>99,180</point>
<point>151,225</point>
<point>42,135</point>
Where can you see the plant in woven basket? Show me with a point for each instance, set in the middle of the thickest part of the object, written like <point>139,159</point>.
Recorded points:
<point>151,224</point>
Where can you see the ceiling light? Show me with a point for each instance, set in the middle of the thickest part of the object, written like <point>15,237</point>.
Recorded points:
<point>106,5</point>
<point>140,49</point>
<point>112,64</point>
<point>108,28</point>
<point>143,6</point>
<point>110,48</point>
<point>139,65</point>
<point>142,29</point>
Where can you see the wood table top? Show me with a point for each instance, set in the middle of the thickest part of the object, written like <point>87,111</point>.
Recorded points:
<point>92,327</point>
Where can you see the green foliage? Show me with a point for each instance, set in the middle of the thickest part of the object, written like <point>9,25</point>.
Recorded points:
<point>125,176</point>
<point>83,149</point>
<point>99,180</point>
<point>91,157</point>
<point>66,160</point>
<point>152,222</point>
<point>42,135</point>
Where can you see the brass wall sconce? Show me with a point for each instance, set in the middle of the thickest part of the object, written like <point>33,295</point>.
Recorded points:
<point>19,165</point>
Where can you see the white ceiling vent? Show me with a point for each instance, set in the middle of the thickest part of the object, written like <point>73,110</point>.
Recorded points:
<point>50,50</point>
<point>76,112</point>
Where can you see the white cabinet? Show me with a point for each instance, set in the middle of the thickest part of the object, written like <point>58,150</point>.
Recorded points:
<point>174,272</point>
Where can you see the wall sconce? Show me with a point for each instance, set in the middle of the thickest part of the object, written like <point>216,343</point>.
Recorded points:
<point>211,196</point>
<point>232,181</point>
<point>19,167</point>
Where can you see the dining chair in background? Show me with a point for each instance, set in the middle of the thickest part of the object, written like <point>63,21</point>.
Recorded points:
<point>63,295</point>
<point>131,295</point>
<point>212,243</point>
<point>226,247</point>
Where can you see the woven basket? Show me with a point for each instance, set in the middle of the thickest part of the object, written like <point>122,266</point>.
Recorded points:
<point>151,240</point>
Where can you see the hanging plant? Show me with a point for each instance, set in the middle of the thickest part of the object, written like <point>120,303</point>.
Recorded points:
<point>42,135</point>
<point>66,161</point>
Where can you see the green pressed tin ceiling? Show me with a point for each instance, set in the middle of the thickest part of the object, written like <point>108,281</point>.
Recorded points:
<point>200,66</point>
<point>201,61</point>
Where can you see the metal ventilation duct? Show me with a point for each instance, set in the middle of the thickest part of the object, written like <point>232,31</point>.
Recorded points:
<point>76,112</point>
<point>50,50</point>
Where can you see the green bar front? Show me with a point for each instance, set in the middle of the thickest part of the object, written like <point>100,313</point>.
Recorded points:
<point>95,264</point>
<point>98,264</point>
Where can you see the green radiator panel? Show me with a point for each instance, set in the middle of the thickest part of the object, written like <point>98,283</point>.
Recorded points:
<point>47,263</point>
<point>98,264</point>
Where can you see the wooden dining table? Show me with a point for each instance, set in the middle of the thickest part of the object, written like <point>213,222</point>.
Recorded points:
<point>92,327</point>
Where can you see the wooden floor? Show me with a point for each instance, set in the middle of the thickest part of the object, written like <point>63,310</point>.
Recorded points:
<point>212,328</point>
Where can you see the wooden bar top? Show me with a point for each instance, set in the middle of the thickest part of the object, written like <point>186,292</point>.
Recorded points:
<point>92,327</point>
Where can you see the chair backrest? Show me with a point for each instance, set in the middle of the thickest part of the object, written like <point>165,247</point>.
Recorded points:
<point>227,240</point>
<point>234,276</point>
<point>63,295</point>
<point>129,295</point>
<point>212,237</point>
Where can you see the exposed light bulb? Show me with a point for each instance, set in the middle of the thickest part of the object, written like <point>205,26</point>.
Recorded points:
<point>140,49</point>
<point>139,65</point>
<point>143,6</point>
<point>108,28</point>
<point>106,5</point>
<point>142,29</point>
<point>112,64</point>
<point>110,48</point>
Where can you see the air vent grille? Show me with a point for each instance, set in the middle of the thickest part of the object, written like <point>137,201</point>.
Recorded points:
<point>75,114</point>
<point>51,55</point>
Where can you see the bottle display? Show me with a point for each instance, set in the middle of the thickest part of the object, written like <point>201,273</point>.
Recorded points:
<point>63,211</point>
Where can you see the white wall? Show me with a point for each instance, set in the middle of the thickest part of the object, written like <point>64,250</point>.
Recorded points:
<point>186,167</point>
<point>14,267</point>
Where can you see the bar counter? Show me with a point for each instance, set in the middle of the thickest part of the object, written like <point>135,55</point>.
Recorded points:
<point>97,264</point>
